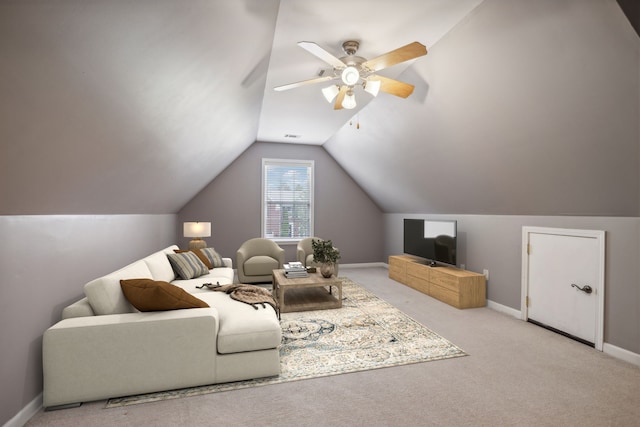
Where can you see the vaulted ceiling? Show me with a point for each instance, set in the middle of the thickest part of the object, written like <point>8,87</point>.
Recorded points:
<point>132,107</point>
<point>302,115</point>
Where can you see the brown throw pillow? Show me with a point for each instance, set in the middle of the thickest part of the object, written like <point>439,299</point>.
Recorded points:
<point>151,295</point>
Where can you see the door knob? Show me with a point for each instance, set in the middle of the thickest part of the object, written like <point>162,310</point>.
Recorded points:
<point>586,289</point>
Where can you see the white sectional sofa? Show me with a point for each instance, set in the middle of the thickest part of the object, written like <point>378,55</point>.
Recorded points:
<point>103,347</point>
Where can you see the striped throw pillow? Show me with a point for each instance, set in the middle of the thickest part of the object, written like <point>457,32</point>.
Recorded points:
<point>187,265</point>
<point>214,257</point>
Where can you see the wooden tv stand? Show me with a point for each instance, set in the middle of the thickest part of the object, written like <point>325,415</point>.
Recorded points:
<point>459,288</point>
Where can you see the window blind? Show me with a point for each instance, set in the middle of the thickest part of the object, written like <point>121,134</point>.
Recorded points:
<point>287,199</point>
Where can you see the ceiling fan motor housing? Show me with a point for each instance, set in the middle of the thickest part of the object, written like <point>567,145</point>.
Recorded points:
<point>350,47</point>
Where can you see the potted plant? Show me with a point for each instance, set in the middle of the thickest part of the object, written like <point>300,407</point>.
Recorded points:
<point>325,254</point>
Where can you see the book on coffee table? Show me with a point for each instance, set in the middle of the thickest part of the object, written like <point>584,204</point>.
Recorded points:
<point>296,274</point>
<point>295,270</point>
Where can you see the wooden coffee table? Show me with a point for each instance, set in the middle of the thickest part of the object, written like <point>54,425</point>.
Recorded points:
<point>306,293</point>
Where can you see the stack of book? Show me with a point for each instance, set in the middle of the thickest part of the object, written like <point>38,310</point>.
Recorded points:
<point>295,270</point>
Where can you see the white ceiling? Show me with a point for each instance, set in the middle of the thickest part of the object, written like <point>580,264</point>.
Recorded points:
<point>379,26</point>
<point>520,107</point>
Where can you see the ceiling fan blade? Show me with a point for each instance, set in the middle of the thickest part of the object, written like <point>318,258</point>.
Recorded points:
<point>340,98</point>
<point>319,52</point>
<point>402,54</point>
<point>394,87</point>
<point>303,83</point>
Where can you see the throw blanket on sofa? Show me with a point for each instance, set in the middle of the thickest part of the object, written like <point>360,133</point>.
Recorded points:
<point>249,294</point>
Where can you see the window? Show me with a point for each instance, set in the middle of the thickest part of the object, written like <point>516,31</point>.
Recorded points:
<point>287,199</point>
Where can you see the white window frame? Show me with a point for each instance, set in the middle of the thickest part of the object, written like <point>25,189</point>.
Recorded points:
<point>263,204</point>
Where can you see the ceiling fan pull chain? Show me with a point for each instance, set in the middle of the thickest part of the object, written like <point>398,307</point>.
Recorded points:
<point>357,122</point>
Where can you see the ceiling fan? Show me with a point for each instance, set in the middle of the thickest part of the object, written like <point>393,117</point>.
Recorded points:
<point>352,71</point>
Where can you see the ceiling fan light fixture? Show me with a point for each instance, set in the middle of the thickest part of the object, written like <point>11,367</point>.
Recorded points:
<point>372,86</point>
<point>349,101</point>
<point>350,76</point>
<point>330,92</point>
<point>352,70</point>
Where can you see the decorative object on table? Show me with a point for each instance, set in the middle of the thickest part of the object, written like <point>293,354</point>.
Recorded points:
<point>366,333</point>
<point>294,270</point>
<point>326,255</point>
<point>304,254</point>
<point>197,230</point>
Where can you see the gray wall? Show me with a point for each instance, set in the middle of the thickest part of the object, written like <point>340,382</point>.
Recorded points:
<point>44,263</point>
<point>494,242</point>
<point>343,212</point>
<point>524,108</point>
<point>112,107</point>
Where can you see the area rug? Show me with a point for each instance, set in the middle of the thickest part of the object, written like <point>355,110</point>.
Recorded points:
<point>366,333</point>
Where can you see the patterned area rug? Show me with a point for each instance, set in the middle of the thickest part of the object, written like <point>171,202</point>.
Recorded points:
<point>366,333</point>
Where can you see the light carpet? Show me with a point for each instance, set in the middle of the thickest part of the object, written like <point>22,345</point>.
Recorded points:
<point>366,333</point>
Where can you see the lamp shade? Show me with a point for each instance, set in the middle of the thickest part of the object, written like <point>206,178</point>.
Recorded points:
<point>330,92</point>
<point>197,229</point>
<point>349,101</point>
<point>372,86</point>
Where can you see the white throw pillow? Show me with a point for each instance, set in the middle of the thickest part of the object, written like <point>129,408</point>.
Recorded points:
<point>105,294</point>
<point>159,265</point>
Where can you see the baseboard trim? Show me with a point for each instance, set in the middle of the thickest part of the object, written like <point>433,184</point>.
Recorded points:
<point>503,309</point>
<point>364,265</point>
<point>610,349</point>
<point>621,353</point>
<point>22,417</point>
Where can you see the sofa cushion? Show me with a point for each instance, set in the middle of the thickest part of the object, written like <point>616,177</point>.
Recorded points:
<point>187,265</point>
<point>153,295</point>
<point>242,327</point>
<point>160,266</point>
<point>104,293</point>
<point>224,276</point>
<point>260,265</point>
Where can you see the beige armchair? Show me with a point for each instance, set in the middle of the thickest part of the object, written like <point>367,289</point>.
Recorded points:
<point>257,258</point>
<point>304,254</point>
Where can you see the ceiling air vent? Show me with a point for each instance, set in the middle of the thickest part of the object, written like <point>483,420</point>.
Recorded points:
<point>290,135</point>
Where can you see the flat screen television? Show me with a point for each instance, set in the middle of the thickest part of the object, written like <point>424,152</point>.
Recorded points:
<point>435,240</point>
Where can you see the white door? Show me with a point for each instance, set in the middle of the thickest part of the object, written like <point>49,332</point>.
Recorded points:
<point>564,284</point>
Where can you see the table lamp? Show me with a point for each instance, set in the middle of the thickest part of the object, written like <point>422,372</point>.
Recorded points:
<point>197,230</point>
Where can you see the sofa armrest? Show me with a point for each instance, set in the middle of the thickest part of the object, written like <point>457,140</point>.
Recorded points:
<point>301,256</point>
<point>280,257</point>
<point>98,357</point>
<point>241,256</point>
<point>228,262</point>
<point>80,308</point>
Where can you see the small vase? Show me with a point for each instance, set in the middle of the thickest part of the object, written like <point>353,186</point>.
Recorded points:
<point>326,270</point>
